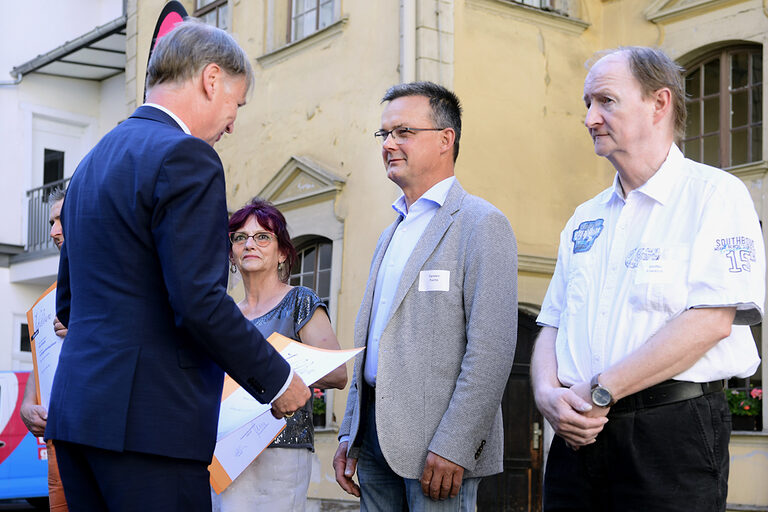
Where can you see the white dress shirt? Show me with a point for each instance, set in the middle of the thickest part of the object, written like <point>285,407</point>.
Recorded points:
<point>173,116</point>
<point>407,234</point>
<point>689,237</point>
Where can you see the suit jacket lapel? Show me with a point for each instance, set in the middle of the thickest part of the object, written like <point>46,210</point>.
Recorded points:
<point>428,243</point>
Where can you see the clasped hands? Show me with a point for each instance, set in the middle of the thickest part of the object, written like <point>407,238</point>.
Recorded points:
<point>440,479</point>
<point>571,413</point>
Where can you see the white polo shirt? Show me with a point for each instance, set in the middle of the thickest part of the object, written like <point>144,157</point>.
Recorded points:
<point>689,237</point>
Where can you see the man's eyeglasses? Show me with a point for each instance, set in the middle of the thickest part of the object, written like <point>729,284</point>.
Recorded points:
<point>401,134</point>
<point>261,238</point>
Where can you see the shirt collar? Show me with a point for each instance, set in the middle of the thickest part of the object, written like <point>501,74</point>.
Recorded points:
<point>173,116</point>
<point>659,186</point>
<point>436,195</point>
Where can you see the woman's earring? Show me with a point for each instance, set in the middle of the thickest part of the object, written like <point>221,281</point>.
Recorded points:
<point>280,266</point>
<point>232,268</point>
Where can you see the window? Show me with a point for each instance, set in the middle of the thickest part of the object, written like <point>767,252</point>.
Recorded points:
<point>313,270</point>
<point>308,16</point>
<point>25,345</point>
<point>746,408</point>
<point>213,12</point>
<point>53,166</point>
<point>725,108</point>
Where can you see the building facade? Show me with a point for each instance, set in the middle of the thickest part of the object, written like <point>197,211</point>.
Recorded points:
<point>305,142</point>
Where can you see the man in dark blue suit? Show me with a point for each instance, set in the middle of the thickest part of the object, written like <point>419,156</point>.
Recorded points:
<point>142,278</point>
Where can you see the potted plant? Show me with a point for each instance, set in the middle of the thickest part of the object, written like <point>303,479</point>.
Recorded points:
<point>318,407</point>
<point>746,408</point>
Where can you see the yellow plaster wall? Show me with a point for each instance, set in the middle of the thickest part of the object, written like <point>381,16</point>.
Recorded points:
<point>524,144</point>
<point>749,467</point>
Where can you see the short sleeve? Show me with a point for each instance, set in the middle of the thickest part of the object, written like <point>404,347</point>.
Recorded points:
<point>307,302</point>
<point>727,265</point>
<point>554,300</point>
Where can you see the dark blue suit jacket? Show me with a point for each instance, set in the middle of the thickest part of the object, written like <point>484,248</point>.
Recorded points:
<point>142,278</point>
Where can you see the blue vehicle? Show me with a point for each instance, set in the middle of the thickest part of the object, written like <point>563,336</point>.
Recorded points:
<point>23,458</point>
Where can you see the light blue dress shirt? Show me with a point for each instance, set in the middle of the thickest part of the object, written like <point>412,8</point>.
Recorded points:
<point>404,240</point>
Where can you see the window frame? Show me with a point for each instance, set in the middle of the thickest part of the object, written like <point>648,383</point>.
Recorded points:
<point>211,6</point>
<point>725,96</point>
<point>314,242</point>
<point>291,37</point>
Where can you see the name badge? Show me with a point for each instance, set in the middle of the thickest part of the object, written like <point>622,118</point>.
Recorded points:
<point>434,280</point>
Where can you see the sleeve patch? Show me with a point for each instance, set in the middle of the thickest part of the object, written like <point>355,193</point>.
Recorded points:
<point>739,252</point>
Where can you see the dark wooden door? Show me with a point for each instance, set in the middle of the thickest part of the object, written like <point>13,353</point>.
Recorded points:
<point>518,488</point>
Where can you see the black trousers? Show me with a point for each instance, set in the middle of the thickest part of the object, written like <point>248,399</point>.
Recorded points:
<point>98,480</point>
<point>670,458</point>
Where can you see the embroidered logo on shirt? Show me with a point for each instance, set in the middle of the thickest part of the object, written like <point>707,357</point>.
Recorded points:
<point>585,236</point>
<point>638,254</point>
<point>740,251</point>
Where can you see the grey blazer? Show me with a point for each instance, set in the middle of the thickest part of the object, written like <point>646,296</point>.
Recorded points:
<point>444,356</point>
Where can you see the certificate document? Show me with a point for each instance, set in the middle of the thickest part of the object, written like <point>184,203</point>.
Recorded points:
<point>247,427</point>
<point>46,345</point>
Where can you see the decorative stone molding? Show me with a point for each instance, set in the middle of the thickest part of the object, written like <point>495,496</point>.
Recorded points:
<point>299,180</point>
<point>315,38</point>
<point>570,23</point>
<point>662,11</point>
<point>536,264</point>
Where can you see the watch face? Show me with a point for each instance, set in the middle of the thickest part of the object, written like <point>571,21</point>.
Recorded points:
<point>601,396</point>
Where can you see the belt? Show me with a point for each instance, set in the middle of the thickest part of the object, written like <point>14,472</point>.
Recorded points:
<point>667,392</point>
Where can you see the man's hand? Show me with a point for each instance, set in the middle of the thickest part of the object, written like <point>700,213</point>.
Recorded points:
<point>345,469</point>
<point>59,328</point>
<point>34,417</point>
<point>441,478</point>
<point>573,418</point>
<point>292,399</point>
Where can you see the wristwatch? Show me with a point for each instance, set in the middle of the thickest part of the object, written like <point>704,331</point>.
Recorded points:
<point>601,397</point>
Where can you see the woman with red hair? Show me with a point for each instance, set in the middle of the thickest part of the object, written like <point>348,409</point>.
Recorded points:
<point>262,252</point>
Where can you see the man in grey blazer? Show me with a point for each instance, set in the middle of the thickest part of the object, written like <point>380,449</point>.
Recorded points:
<point>439,320</point>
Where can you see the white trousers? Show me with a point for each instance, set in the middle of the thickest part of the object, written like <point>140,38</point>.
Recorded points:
<point>276,481</point>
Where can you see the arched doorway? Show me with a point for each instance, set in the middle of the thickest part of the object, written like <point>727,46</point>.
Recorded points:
<point>518,488</point>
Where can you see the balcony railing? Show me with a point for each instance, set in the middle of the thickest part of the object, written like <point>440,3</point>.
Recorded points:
<point>38,214</point>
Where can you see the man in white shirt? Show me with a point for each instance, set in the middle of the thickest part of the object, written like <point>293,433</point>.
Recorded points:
<point>439,321</point>
<point>657,281</point>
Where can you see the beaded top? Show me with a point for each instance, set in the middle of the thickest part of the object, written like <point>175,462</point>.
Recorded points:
<point>287,318</point>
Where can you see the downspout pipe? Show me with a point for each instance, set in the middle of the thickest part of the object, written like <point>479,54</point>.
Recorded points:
<point>407,40</point>
<point>17,81</point>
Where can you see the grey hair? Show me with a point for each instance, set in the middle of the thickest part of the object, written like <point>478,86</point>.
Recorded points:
<point>57,194</point>
<point>654,70</point>
<point>189,47</point>
<point>446,108</point>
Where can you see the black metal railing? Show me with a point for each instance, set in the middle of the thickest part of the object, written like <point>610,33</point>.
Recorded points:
<point>38,212</point>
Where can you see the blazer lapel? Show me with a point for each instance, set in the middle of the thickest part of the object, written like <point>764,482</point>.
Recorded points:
<point>428,243</point>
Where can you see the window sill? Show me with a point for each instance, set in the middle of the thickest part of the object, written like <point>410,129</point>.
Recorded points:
<point>531,14</point>
<point>286,51</point>
<point>749,433</point>
<point>333,429</point>
<point>750,170</point>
